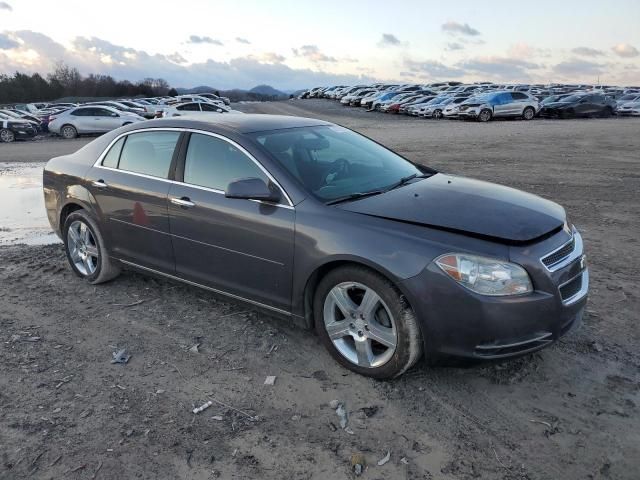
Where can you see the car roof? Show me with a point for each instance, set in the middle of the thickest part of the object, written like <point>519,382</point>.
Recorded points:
<point>241,123</point>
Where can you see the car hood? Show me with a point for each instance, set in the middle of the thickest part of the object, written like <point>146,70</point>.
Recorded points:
<point>467,206</point>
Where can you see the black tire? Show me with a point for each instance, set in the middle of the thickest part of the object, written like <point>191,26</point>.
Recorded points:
<point>437,114</point>
<point>409,343</point>
<point>528,113</point>
<point>485,115</point>
<point>68,132</point>
<point>7,135</point>
<point>106,269</point>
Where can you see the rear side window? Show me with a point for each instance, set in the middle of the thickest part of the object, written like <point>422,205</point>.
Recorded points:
<point>111,159</point>
<point>214,163</point>
<point>149,153</point>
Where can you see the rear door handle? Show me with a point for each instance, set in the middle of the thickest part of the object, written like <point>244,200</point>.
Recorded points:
<point>183,202</point>
<point>99,183</point>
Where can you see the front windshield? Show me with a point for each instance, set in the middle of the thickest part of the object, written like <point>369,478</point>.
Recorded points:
<point>333,162</point>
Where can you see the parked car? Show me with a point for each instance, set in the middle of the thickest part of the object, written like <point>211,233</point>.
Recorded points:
<point>19,115</point>
<point>213,96</point>
<point>500,105</point>
<point>90,119</point>
<point>12,128</point>
<point>626,98</point>
<point>580,105</point>
<point>630,109</point>
<point>343,236</point>
<point>195,107</point>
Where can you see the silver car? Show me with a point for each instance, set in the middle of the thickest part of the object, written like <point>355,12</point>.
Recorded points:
<point>90,119</point>
<point>500,104</point>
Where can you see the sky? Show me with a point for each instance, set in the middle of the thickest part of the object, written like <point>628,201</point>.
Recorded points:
<point>300,44</point>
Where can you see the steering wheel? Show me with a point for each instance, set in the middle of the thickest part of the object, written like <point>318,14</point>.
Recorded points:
<point>339,169</point>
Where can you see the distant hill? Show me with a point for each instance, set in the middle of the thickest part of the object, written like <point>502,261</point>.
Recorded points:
<point>257,93</point>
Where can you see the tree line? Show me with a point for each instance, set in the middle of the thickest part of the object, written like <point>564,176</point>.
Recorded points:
<point>67,81</point>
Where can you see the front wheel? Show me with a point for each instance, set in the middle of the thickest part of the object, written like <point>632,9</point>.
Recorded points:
<point>365,323</point>
<point>485,115</point>
<point>85,249</point>
<point>437,114</point>
<point>528,113</point>
<point>7,136</point>
<point>68,132</point>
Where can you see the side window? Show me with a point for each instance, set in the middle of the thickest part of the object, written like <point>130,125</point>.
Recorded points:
<point>111,158</point>
<point>209,108</point>
<point>518,96</point>
<point>82,112</point>
<point>101,112</point>
<point>189,107</point>
<point>214,163</point>
<point>149,153</point>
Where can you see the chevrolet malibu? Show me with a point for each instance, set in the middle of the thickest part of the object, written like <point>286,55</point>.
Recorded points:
<point>389,261</point>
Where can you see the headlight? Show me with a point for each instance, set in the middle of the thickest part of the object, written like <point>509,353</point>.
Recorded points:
<point>486,276</point>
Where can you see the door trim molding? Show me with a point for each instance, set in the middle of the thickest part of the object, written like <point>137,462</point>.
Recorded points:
<point>211,289</point>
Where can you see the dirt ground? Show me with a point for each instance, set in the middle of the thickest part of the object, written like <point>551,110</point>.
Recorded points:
<point>568,412</point>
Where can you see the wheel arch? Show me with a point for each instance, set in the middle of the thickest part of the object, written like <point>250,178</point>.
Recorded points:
<point>76,197</point>
<point>320,271</point>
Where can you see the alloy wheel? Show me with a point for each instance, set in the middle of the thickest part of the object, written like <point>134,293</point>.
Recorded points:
<point>7,136</point>
<point>83,248</point>
<point>360,325</point>
<point>528,113</point>
<point>69,132</point>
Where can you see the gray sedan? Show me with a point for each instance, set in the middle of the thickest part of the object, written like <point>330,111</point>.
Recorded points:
<point>388,261</point>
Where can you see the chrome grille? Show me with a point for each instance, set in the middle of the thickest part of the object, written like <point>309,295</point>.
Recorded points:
<point>559,255</point>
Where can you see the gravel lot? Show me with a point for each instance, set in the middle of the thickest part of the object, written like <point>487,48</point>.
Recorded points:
<point>569,412</point>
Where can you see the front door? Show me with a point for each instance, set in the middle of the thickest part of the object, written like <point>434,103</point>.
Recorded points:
<point>241,247</point>
<point>131,187</point>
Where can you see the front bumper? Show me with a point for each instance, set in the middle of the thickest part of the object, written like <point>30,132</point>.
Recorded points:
<point>22,133</point>
<point>458,322</point>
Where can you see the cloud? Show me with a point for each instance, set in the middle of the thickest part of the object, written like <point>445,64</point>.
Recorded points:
<point>505,68</point>
<point>312,53</point>
<point>587,52</point>
<point>7,43</point>
<point>243,40</point>
<point>453,46</point>
<point>389,40</point>
<point>205,39</point>
<point>524,50</point>
<point>456,28</point>
<point>578,68</point>
<point>39,53</point>
<point>625,50</point>
<point>5,6</point>
<point>268,57</point>
<point>176,58</point>
<point>432,69</point>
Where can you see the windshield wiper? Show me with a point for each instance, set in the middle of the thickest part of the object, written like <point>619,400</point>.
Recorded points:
<point>354,196</point>
<point>405,180</point>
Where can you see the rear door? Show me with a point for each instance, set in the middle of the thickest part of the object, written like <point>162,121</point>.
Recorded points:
<point>105,120</point>
<point>519,101</point>
<point>240,247</point>
<point>130,186</point>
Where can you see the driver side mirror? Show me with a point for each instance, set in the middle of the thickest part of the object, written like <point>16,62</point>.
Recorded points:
<point>252,189</point>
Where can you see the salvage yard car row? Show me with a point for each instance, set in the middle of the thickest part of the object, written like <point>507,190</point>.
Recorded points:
<point>485,101</point>
<point>69,120</point>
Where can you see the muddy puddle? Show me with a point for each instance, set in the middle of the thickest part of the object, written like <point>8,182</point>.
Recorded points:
<point>22,215</point>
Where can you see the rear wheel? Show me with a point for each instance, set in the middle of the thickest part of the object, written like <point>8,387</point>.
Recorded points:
<point>68,132</point>
<point>485,115</point>
<point>528,113</point>
<point>365,323</point>
<point>7,136</point>
<point>85,249</point>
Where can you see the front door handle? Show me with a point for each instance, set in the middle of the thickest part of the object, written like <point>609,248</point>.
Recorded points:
<point>99,183</point>
<point>183,202</point>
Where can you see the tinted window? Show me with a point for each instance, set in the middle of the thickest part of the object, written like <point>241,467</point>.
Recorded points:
<point>190,107</point>
<point>82,112</point>
<point>149,153</point>
<point>111,158</point>
<point>214,163</point>
<point>102,112</point>
<point>210,108</point>
<point>518,96</point>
